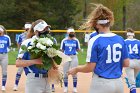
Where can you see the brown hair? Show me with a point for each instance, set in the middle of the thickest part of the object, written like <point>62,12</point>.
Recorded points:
<point>31,30</point>
<point>130,30</point>
<point>99,13</point>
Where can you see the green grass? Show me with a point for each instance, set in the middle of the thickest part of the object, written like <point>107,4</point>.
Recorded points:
<point>81,56</point>
<point>12,57</point>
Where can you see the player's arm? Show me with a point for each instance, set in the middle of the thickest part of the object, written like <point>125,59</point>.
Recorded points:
<point>88,67</point>
<point>126,63</point>
<point>24,63</point>
<point>125,56</point>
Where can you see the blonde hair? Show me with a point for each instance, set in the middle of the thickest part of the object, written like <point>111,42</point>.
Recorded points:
<point>99,13</point>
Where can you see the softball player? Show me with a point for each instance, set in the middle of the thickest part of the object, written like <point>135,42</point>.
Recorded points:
<point>106,55</point>
<point>36,81</point>
<point>21,38</point>
<point>5,43</point>
<point>134,55</point>
<point>70,45</point>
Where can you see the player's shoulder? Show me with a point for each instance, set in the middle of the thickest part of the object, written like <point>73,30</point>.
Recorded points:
<point>66,38</point>
<point>107,35</point>
<point>93,33</point>
<point>26,42</point>
<point>104,35</point>
<point>134,39</point>
<point>7,36</point>
<point>76,39</point>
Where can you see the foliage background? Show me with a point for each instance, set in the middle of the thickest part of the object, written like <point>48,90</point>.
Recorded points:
<point>61,14</point>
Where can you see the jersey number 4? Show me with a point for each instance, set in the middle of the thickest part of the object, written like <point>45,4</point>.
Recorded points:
<point>113,52</point>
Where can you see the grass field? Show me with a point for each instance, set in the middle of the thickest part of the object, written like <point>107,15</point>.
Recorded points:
<point>81,56</point>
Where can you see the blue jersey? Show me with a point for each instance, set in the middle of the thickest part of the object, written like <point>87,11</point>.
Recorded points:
<point>134,48</point>
<point>70,47</point>
<point>5,43</point>
<point>26,56</point>
<point>93,34</point>
<point>21,38</point>
<point>108,51</point>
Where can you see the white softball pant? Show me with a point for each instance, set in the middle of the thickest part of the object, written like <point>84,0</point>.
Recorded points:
<point>70,64</point>
<point>4,63</point>
<point>36,84</point>
<point>132,71</point>
<point>102,85</point>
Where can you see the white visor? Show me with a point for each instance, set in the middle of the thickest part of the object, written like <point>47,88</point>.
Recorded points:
<point>70,30</point>
<point>40,26</point>
<point>102,21</point>
<point>26,26</point>
<point>130,34</point>
<point>1,29</point>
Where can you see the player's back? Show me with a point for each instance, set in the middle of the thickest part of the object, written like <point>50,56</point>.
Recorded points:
<point>110,53</point>
<point>134,48</point>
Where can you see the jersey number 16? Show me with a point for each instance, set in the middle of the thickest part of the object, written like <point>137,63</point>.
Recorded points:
<point>113,52</point>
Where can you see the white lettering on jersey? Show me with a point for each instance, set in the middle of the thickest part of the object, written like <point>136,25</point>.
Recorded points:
<point>70,45</point>
<point>1,45</point>
<point>3,41</point>
<point>114,53</point>
<point>133,49</point>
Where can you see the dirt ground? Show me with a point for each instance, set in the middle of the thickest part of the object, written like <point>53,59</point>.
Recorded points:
<point>83,82</point>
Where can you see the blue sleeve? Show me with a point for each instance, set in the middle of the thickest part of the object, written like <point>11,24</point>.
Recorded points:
<point>19,40</point>
<point>8,44</point>
<point>77,45</point>
<point>139,48</point>
<point>62,47</point>
<point>125,53</point>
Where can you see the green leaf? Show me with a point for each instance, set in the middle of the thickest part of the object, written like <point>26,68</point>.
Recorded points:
<point>23,47</point>
<point>57,59</point>
<point>47,62</point>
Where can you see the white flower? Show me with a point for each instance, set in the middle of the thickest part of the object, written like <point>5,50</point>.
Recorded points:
<point>51,52</point>
<point>46,41</point>
<point>42,40</point>
<point>49,42</point>
<point>43,47</point>
<point>30,47</point>
<point>40,46</point>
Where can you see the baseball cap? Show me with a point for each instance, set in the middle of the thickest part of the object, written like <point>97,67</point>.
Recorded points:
<point>41,26</point>
<point>27,26</point>
<point>70,30</point>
